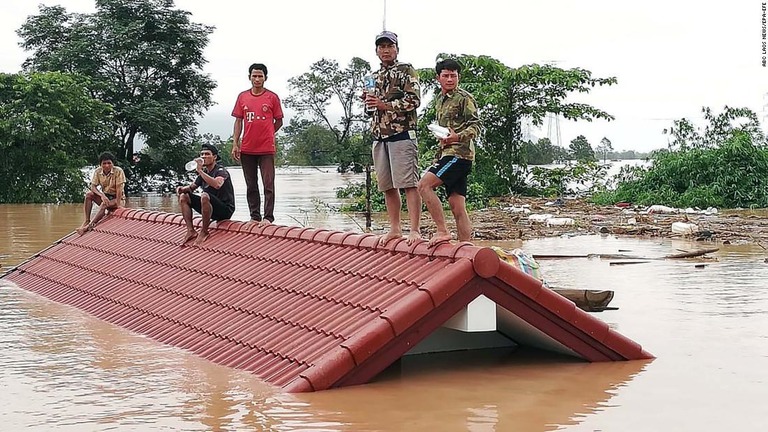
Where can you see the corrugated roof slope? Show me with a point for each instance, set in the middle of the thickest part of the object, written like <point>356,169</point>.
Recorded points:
<point>304,309</point>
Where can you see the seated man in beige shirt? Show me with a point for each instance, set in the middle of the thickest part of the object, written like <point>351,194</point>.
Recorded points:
<point>106,190</point>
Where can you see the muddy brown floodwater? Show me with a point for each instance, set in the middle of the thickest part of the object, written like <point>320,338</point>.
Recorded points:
<point>64,370</point>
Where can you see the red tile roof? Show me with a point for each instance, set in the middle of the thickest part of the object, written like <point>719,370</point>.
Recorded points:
<point>304,309</point>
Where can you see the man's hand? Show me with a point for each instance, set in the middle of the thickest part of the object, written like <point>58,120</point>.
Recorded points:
<point>236,152</point>
<point>372,101</point>
<point>452,138</point>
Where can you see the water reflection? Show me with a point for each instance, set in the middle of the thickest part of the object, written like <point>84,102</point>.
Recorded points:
<point>485,391</point>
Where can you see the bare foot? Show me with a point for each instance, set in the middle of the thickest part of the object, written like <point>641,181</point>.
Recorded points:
<point>439,238</point>
<point>383,240</point>
<point>412,237</point>
<point>252,221</point>
<point>189,236</point>
<point>264,222</point>
<point>85,228</point>
<point>201,237</point>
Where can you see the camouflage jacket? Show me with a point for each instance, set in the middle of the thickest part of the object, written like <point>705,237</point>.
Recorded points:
<point>458,111</point>
<point>398,86</point>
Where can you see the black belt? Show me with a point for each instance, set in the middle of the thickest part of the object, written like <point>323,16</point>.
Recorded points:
<point>396,137</point>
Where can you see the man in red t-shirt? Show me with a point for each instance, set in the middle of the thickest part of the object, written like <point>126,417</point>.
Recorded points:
<point>258,115</point>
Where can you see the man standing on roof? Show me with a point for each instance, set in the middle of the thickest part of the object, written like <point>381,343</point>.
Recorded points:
<point>107,190</point>
<point>258,116</point>
<point>456,110</point>
<point>215,202</point>
<point>393,126</point>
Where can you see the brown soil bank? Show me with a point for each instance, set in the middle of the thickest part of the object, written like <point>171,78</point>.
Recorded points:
<point>512,219</point>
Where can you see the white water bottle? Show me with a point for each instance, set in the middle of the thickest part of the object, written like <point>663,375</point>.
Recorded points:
<point>370,89</point>
<point>192,165</point>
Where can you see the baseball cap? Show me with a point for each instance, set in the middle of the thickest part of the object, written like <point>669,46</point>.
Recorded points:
<point>387,35</point>
<point>212,149</point>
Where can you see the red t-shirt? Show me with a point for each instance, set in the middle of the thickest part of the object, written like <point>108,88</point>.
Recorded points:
<point>258,114</point>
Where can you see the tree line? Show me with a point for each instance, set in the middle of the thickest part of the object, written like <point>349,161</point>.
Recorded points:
<point>134,70</point>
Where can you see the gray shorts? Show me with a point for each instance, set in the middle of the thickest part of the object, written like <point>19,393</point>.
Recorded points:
<point>396,164</point>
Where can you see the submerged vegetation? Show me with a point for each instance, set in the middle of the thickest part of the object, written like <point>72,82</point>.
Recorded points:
<point>723,165</point>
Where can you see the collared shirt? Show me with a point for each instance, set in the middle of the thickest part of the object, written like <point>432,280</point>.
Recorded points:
<point>109,183</point>
<point>226,193</point>
<point>457,110</point>
<point>398,86</point>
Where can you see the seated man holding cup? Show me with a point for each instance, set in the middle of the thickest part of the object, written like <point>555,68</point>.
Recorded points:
<point>216,200</point>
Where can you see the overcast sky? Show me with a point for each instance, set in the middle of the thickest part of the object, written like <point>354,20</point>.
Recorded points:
<point>670,57</point>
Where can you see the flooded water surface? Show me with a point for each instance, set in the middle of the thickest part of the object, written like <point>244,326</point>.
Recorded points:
<point>706,321</point>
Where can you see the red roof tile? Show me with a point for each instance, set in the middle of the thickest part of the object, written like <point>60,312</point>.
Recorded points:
<point>303,309</point>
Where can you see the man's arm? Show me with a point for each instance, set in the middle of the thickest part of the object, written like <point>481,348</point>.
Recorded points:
<point>119,187</point>
<point>214,182</point>
<point>95,189</point>
<point>471,121</point>
<point>186,189</point>
<point>469,129</point>
<point>411,88</point>
<point>93,186</point>
<point>278,124</point>
<point>236,135</point>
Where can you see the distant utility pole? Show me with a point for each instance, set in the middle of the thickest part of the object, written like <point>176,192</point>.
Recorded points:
<point>553,120</point>
<point>553,129</point>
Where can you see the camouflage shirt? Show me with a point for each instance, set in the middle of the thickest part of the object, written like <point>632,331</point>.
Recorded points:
<point>398,86</point>
<point>458,111</point>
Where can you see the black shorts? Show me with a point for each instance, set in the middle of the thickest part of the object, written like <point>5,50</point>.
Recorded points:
<point>453,172</point>
<point>220,210</point>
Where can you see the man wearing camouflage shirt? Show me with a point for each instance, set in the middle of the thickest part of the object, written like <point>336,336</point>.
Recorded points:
<point>393,126</point>
<point>456,110</point>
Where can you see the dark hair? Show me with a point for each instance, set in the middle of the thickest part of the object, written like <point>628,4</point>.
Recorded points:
<point>106,156</point>
<point>258,66</point>
<point>449,64</point>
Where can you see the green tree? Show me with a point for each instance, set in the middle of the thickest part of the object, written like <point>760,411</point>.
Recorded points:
<point>325,87</point>
<point>604,148</point>
<point>144,58</point>
<point>308,143</point>
<point>543,152</point>
<point>581,150</point>
<point>505,96</point>
<point>50,127</point>
<point>720,127</point>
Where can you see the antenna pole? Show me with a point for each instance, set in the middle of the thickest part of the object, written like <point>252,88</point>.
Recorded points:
<point>384,18</point>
